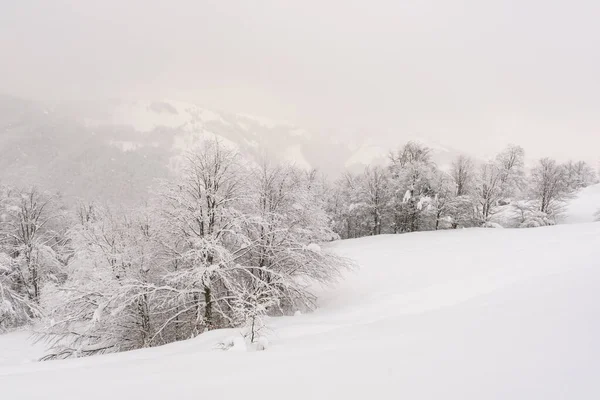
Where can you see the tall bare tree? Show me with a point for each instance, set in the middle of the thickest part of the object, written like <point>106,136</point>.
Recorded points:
<point>462,172</point>
<point>376,195</point>
<point>488,189</point>
<point>548,186</point>
<point>511,165</point>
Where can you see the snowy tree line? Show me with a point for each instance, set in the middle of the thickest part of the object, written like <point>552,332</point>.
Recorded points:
<point>411,193</point>
<point>230,241</point>
<point>224,245</point>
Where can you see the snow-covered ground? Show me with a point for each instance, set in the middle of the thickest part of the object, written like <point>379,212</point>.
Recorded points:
<point>466,314</point>
<point>18,348</point>
<point>583,207</point>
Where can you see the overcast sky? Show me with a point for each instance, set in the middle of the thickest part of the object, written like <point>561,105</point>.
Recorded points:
<point>474,74</point>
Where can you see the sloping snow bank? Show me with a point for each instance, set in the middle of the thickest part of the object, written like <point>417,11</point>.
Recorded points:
<point>17,348</point>
<point>582,208</point>
<point>467,314</point>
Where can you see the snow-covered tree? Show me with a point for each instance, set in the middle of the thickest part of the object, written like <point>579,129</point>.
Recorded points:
<point>287,219</point>
<point>228,241</point>
<point>109,302</point>
<point>462,212</point>
<point>356,210</point>
<point>224,244</point>
<point>339,207</point>
<point>470,191</point>
<point>440,206</point>
<point>16,308</point>
<point>29,237</point>
<point>376,195</point>
<point>463,173</point>
<point>411,153</point>
<point>199,210</point>
<point>498,180</point>
<point>511,166</point>
<point>488,189</point>
<point>411,171</point>
<point>548,186</point>
<point>579,175</point>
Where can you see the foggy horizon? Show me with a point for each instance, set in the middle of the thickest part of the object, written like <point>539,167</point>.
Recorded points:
<point>470,75</point>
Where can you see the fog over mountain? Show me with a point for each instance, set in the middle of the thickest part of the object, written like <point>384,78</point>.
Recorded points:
<point>352,79</point>
<point>473,75</point>
<point>115,150</point>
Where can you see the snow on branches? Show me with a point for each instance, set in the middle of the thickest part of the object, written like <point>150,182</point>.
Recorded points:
<point>225,244</point>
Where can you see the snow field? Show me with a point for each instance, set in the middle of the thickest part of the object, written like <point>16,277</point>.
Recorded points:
<point>465,314</point>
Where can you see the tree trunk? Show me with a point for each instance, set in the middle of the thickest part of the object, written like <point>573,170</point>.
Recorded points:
<point>144,320</point>
<point>208,307</point>
<point>33,275</point>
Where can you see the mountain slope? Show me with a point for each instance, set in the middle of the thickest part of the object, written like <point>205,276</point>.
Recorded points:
<point>490,314</point>
<point>48,147</point>
<point>115,150</point>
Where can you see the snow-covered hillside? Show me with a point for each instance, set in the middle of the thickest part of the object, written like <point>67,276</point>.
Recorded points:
<point>189,122</point>
<point>466,314</point>
<point>583,207</point>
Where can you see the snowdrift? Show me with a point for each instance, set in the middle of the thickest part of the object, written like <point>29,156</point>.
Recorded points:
<point>583,206</point>
<point>466,314</point>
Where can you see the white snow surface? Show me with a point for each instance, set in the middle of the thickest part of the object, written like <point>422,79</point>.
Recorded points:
<point>17,348</point>
<point>582,208</point>
<point>464,314</point>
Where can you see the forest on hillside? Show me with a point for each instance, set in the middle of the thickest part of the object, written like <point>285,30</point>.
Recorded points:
<point>230,240</point>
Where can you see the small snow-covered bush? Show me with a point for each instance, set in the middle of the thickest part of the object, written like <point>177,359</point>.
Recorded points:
<point>528,215</point>
<point>537,219</point>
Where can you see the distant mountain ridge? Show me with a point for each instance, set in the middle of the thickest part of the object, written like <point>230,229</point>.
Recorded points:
<point>115,150</point>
